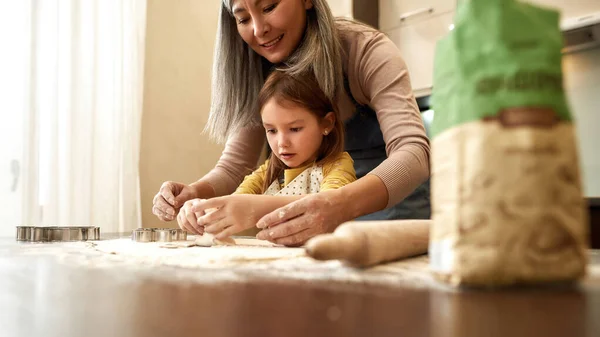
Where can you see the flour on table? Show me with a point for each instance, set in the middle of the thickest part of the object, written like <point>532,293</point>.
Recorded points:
<point>249,259</point>
<point>195,252</point>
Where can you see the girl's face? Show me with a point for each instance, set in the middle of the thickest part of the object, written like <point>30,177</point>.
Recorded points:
<point>272,28</point>
<point>294,133</point>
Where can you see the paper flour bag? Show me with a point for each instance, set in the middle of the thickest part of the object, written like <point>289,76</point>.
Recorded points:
<point>506,189</point>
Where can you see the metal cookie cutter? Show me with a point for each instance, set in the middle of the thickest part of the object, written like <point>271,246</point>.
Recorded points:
<point>143,235</point>
<point>57,234</point>
<point>24,233</point>
<point>39,234</point>
<point>158,235</point>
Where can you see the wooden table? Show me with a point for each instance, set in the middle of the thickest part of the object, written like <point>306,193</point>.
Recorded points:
<point>39,296</point>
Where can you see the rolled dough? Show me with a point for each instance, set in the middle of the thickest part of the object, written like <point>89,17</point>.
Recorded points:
<point>209,240</point>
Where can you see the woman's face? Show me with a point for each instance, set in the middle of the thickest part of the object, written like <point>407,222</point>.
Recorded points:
<point>272,28</point>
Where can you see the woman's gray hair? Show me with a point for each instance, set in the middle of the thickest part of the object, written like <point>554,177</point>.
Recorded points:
<point>237,75</point>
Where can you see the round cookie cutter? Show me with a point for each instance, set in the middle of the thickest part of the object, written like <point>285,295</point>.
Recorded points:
<point>158,235</point>
<point>143,235</point>
<point>165,234</point>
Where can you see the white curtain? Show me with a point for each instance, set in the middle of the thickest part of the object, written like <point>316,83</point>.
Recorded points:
<point>70,131</point>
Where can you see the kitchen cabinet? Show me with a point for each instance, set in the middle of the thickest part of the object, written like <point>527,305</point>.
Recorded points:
<point>394,13</point>
<point>417,42</point>
<point>572,8</point>
<point>427,21</point>
<point>415,27</point>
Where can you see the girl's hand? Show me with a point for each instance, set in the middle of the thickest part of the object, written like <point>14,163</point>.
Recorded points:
<point>232,213</point>
<point>315,214</point>
<point>188,219</point>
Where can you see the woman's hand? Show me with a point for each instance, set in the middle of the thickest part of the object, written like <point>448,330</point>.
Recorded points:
<point>187,219</point>
<point>232,213</point>
<point>169,199</point>
<point>315,214</point>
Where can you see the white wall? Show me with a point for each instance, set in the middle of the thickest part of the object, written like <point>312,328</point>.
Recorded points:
<point>179,48</point>
<point>582,83</point>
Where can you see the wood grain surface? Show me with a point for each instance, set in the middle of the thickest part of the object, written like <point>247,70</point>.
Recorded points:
<point>43,296</point>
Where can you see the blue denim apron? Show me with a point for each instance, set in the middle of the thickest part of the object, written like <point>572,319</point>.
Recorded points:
<point>365,144</point>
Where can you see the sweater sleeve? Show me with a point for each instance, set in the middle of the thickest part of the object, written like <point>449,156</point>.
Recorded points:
<point>338,173</point>
<point>253,183</point>
<point>378,77</point>
<point>239,158</point>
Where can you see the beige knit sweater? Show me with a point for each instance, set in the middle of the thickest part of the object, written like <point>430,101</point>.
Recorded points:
<point>378,78</point>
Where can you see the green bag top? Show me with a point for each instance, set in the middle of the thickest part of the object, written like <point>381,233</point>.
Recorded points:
<point>501,54</point>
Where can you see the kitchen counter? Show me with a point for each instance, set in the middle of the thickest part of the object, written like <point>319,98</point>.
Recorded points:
<point>48,295</point>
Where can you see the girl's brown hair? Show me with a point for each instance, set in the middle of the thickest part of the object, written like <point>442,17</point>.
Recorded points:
<point>303,91</point>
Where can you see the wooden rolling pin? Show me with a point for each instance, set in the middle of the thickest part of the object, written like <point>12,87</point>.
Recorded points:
<point>366,243</point>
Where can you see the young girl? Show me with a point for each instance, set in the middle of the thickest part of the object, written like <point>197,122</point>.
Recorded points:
<point>306,138</point>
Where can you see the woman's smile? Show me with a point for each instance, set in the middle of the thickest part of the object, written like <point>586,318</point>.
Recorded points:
<point>272,44</point>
